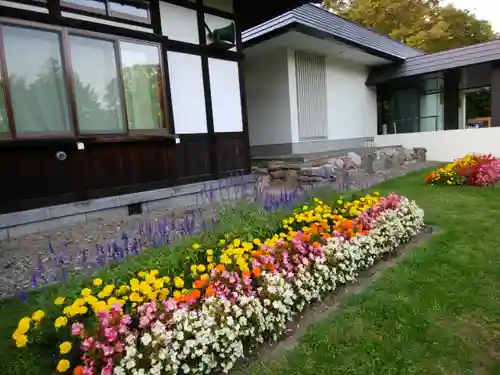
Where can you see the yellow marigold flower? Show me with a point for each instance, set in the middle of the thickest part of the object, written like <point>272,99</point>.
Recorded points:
<point>21,341</point>
<point>59,301</point>
<point>152,296</point>
<point>222,242</point>
<point>24,325</point>
<point>86,292</point>
<point>65,347</point>
<point>201,268</point>
<point>178,282</point>
<point>154,273</point>
<point>158,284</point>
<point>135,297</point>
<point>211,266</point>
<point>177,294</point>
<point>97,282</point>
<point>63,365</point>
<point>196,246</point>
<point>100,306</point>
<point>38,315</point>
<point>210,252</point>
<point>123,289</point>
<point>91,300</point>
<point>237,242</point>
<point>166,279</point>
<point>61,322</point>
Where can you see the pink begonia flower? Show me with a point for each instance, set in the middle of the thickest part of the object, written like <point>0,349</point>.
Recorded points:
<point>88,343</point>
<point>77,329</point>
<point>110,334</point>
<point>108,350</point>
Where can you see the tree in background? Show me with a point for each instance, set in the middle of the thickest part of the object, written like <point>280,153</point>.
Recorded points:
<point>423,24</point>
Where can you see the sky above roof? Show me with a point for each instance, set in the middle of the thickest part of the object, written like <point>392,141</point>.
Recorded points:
<point>483,9</point>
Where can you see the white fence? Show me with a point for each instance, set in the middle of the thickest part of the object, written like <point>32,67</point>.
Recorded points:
<point>446,145</point>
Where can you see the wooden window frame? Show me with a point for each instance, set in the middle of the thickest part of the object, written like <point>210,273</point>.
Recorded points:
<point>107,13</point>
<point>74,133</point>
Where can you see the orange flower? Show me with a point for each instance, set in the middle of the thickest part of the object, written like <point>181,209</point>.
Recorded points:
<point>180,298</point>
<point>78,370</point>
<point>210,292</point>
<point>270,267</point>
<point>256,271</point>
<point>347,224</point>
<point>200,284</point>
<point>316,244</point>
<point>246,274</point>
<point>220,267</point>
<point>257,253</point>
<point>314,228</point>
<point>196,294</point>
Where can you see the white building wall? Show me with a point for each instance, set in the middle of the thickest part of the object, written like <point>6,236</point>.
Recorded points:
<point>447,145</point>
<point>351,105</point>
<point>268,98</point>
<point>186,80</point>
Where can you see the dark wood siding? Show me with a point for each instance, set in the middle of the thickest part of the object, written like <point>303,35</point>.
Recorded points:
<point>232,153</point>
<point>33,177</point>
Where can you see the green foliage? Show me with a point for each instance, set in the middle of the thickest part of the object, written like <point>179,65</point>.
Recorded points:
<point>422,24</point>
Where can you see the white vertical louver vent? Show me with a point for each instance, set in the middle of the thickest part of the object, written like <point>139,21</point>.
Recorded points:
<point>311,95</point>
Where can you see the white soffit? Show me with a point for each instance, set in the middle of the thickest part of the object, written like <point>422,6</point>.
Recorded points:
<point>298,41</point>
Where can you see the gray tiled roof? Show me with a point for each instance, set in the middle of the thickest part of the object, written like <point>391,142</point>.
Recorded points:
<point>439,61</point>
<point>315,18</point>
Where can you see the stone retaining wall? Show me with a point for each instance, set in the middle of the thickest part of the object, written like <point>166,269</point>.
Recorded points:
<point>338,166</point>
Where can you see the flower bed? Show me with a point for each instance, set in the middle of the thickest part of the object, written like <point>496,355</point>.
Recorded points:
<point>473,170</point>
<point>227,300</point>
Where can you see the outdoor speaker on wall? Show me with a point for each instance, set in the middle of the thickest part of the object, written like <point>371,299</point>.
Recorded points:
<point>223,37</point>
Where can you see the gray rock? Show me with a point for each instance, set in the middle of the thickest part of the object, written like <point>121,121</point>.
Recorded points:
<point>275,165</point>
<point>421,153</point>
<point>367,162</point>
<point>336,163</point>
<point>399,157</point>
<point>276,174</point>
<point>356,159</point>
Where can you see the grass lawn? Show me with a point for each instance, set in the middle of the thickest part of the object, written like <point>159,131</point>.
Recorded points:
<point>438,312</point>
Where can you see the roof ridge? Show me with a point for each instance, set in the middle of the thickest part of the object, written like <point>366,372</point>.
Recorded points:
<point>321,8</point>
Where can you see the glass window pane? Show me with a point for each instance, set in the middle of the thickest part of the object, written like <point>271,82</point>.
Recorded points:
<point>142,80</point>
<point>4,121</point>
<point>36,80</point>
<point>94,4</point>
<point>130,9</point>
<point>95,74</point>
